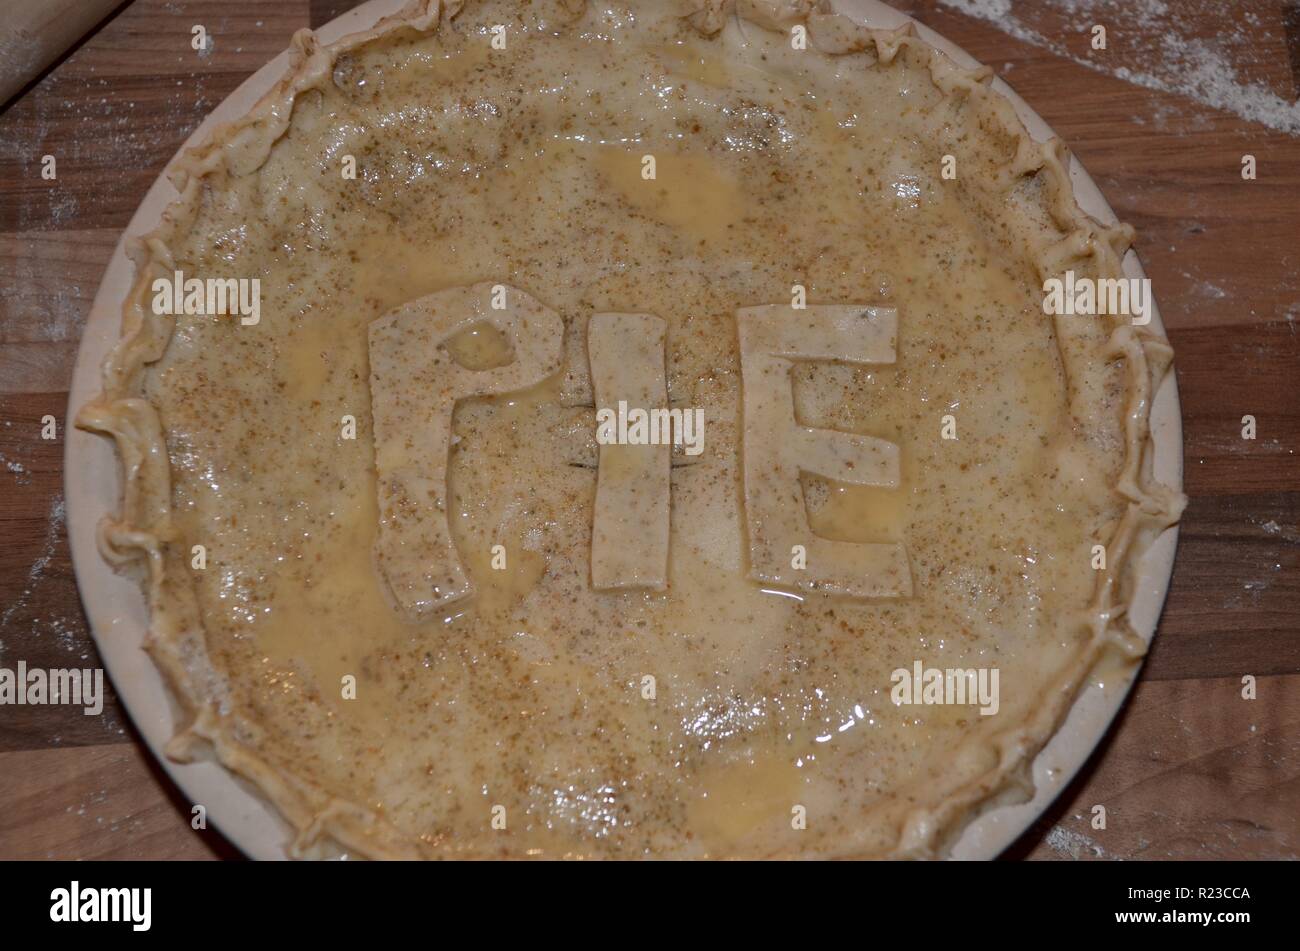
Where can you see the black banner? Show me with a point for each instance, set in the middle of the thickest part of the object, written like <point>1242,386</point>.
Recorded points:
<point>1222,901</point>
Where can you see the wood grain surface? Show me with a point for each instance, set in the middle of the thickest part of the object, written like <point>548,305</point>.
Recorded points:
<point>1161,119</point>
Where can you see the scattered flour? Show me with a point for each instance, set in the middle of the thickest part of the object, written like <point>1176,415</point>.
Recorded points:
<point>1073,845</point>
<point>54,314</point>
<point>1199,69</point>
<point>20,471</point>
<point>53,530</point>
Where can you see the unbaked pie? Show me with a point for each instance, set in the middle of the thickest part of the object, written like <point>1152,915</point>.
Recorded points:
<point>649,407</point>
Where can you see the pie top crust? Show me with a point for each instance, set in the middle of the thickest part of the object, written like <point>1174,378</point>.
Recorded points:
<point>525,689</point>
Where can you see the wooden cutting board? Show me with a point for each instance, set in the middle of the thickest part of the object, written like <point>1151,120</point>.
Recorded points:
<point>1161,118</point>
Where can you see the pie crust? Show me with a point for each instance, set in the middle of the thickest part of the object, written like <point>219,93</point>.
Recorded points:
<point>1109,370</point>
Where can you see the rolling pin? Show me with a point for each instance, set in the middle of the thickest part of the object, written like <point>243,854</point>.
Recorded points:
<point>34,33</point>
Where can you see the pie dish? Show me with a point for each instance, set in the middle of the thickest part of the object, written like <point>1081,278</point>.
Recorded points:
<point>637,685</point>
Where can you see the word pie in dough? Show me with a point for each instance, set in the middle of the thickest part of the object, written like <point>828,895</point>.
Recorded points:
<point>396,582</point>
